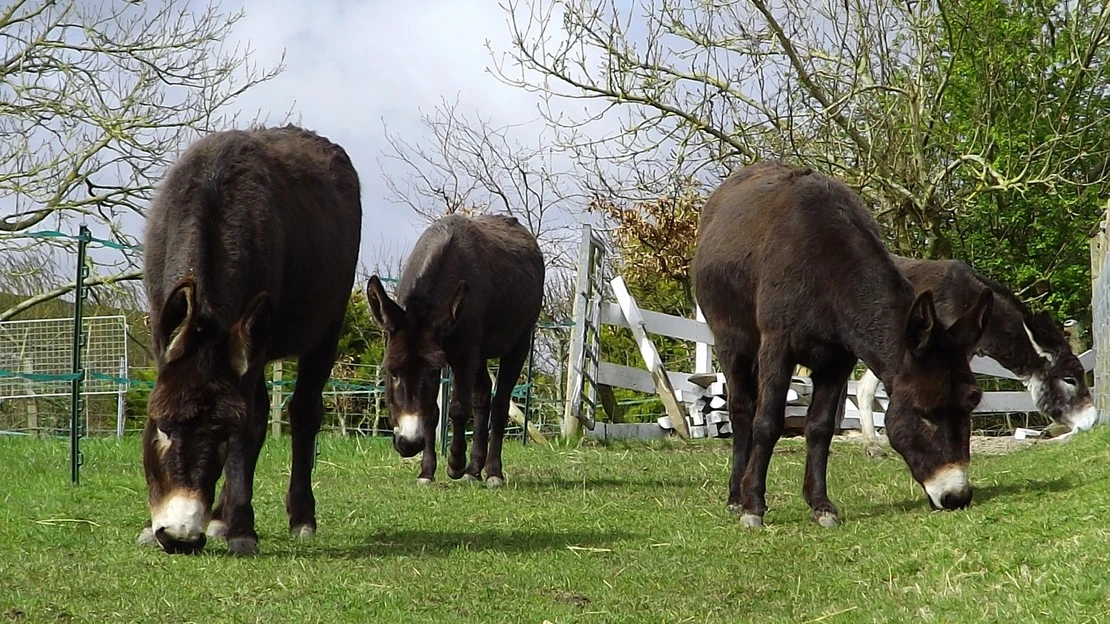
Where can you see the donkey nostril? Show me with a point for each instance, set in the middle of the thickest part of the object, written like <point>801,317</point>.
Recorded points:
<point>956,500</point>
<point>176,546</point>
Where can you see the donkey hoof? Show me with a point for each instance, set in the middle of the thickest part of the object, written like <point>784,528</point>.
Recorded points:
<point>242,546</point>
<point>826,519</point>
<point>494,482</point>
<point>305,531</point>
<point>216,528</point>
<point>751,521</point>
<point>874,451</point>
<point>469,477</point>
<point>146,538</point>
<point>455,474</point>
<point>424,481</point>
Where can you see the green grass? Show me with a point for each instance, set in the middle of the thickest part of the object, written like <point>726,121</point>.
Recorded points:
<point>626,534</point>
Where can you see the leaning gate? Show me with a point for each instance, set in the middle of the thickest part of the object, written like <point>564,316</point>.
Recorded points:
<point>695,400</point>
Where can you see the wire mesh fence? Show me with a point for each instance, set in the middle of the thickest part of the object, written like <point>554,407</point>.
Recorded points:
<point>36,378</point>
<point>36,374</point>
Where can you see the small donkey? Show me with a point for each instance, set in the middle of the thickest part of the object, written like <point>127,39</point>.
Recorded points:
<point>470,291</point>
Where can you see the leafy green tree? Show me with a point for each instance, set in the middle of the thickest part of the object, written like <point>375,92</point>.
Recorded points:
<point>972,129</point>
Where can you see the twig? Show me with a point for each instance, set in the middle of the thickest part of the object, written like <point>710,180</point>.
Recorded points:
<point>833,614</point>
<point>63,521</point>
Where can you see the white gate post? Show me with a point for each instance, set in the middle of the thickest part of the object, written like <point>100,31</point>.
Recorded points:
<point>703,360</point>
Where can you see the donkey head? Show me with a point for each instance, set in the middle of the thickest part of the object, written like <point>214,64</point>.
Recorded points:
<point>929,417</point>
<point>197,401</point>
<point>1059,385</point>
<point>414,357</point>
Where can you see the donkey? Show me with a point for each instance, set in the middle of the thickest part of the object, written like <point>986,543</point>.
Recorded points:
<point>251,246</point>
<point>470,291</point>
<point>790,269</point>
<point>1031,346</point>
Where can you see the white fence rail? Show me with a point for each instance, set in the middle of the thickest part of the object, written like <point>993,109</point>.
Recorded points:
<point>616,375</point>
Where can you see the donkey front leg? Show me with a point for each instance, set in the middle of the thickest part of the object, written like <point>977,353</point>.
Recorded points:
<point>508,372</point>
<point>829,394</point>
<point>461,397</point>
<point>774,370</point>
<point>235,508</point>
<point>306,414</point>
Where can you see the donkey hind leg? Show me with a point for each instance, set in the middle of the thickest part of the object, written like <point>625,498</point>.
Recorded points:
<point>480,405</point>
<point>508,372</point>
<point>865,397</point>
<point>739,370</point>
<point>830,387</point>
<point>306,413</point>
<point>243,446</point>
<point>773,374</point>
<point>461,397</point>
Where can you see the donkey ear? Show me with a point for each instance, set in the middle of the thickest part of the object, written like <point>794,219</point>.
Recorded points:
<point>386,311</point>
<point>1041,351</point>
<point>968,329</point>
<point>250,335</point>
<point>177,319</point>
<point>919,324</point>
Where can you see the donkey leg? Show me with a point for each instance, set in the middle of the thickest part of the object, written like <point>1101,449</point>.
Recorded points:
<point>774,370</point>
<point>829,393</point>
<point>508,372</point>
<point>217,526</point>
<point>739,370</point>
<point>461,398</point>
<point>480,406</point>
<point>306,413</point>
<point>243,447</point>
<point>428,458</point>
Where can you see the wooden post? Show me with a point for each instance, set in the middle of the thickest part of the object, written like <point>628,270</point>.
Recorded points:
<point>275,401</point>
<point>609,403</point>
<point>121,403</point>
<point>675,409</point>
<point>28,367</point>
<point>575,359</point>
<point>703,358</point>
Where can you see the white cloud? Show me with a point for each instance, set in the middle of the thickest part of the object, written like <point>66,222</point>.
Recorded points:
<point>352,65</point>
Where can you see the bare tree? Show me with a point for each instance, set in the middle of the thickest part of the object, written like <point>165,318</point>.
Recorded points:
<point>469,166</point>
<point>905,100</point>
<point>96,99</point>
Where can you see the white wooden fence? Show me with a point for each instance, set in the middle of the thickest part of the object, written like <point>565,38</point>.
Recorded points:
<point>588,371</point>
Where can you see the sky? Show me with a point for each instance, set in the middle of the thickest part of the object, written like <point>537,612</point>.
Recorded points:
<point>354,70</point>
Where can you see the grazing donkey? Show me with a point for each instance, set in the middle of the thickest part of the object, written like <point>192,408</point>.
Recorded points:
<point>790,269</point>
<point>1032,347</point>
<point>251,247</point>
<point>470,291</point>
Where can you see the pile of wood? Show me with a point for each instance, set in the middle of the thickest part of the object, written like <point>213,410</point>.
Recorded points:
<point>707,412</point>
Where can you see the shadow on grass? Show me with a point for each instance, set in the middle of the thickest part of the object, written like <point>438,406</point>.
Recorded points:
<point>1021,490</point>
<point>589,483</point>
<point>419,543</point>
<point>1024,489</point>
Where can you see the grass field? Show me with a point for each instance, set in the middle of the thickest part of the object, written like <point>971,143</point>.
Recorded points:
<point>622,534</point>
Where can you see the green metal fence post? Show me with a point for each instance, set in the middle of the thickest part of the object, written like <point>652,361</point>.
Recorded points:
<point>528,389</point>
<point>75,390</point>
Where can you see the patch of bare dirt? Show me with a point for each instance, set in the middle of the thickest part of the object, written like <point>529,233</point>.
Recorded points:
<point>980,445</point>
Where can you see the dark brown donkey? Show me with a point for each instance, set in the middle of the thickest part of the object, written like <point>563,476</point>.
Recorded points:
<point>1031,346</point>
<point>790,269</point>
<point>251,247</point>
<point>470,291</point>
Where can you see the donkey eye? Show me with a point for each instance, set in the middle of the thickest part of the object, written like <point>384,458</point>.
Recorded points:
<point>1071,381</point>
